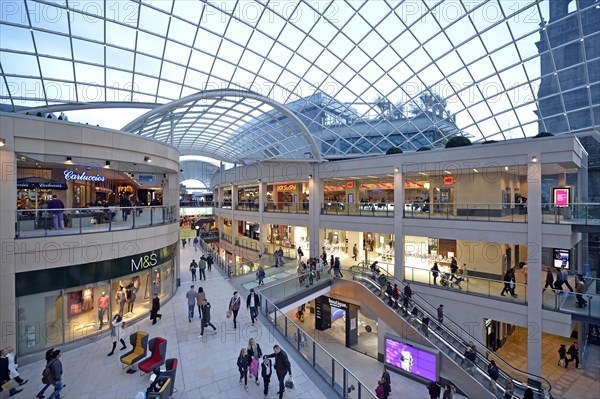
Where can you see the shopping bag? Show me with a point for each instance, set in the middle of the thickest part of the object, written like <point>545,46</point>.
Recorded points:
<point>254,367</point>
<point>10,384</point>
<point>228,314</point>
<point>289,383</point>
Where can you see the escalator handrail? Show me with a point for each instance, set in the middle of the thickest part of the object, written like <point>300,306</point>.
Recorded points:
<point>433,318</point>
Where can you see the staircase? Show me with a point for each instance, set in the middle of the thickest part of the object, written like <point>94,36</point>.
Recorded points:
<point>452,340</point>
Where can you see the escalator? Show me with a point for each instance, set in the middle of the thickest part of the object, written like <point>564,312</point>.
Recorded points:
<point>451,340</point>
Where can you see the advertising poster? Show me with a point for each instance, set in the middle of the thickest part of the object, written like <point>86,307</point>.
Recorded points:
<point>561,196</point>
<point>411,360</point>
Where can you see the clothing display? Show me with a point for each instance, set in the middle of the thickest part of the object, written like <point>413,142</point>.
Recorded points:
<point>88,300</point>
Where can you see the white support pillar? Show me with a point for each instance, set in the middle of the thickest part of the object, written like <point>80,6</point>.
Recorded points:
<point>398,220</point>
<point>534,261</point>
<point>262,201</point>
<point>315,198</point>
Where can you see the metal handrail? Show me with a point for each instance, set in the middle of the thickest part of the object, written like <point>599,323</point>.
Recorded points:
<point>473,339</point>
<point>362,387</point>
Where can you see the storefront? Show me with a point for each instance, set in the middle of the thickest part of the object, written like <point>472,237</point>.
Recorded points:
<point>248,198</point>
<point>282,196</point>
<point>249,229</point>
<point>61,305</point>
<point>287,236</point>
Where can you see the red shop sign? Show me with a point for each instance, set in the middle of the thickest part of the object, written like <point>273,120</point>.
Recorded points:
<point>350,184</point>
<point>448,180</point>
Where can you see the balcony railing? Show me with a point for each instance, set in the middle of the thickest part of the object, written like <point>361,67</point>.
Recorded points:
<point>357,209</point>
<point>497,212</point>
<point>247,206</point>
<point>287,207</point>
<point>247,243</point>
<point>226,237</point>
<point>579,213</point>
<point>68,221</point>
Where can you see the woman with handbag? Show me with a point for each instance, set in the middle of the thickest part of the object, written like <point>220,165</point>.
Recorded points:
<point>255,353</point>
<point>6,383</point>
<point>115,333</point>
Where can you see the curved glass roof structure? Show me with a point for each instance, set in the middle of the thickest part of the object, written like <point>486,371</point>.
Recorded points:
<point>360,76</point>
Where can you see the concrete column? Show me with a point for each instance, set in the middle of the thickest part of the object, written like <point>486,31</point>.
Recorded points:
<point>534,258</point>
<point>398,220</point>
<point>234,197</point>
<point>315,197</point>
<point>581,194</point>
<point>8,206</point>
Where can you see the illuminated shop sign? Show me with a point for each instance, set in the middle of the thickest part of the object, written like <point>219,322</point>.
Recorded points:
<point>42,185</point>
<point>146,178</point>
<point>249,189</point>
<point>144,262</point>
<point>350,184</point>
<point>337,304</point>
<point>70,175</point>
<point>286,187</point>
<point>448,180</point>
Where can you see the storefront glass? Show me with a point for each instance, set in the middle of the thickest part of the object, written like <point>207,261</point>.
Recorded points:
<point>40,319</point>
<point>84,307</point>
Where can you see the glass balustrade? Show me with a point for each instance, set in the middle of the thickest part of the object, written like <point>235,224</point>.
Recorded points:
<point>68,221</point>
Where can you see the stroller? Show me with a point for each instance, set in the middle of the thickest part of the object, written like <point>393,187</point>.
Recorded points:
<point>444,279</point>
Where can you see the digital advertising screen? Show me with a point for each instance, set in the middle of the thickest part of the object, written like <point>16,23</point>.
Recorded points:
<point>561,196</point>
<point>411,360</point>
<point>561,258</point>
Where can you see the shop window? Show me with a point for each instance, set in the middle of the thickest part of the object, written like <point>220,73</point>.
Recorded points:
<point>83,308</point>
<point>40,319</point>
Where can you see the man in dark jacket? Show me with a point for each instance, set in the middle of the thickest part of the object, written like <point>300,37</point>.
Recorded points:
<point>574,353</point>
<point>282,367</point>
<point>155,308</point>
<point>56,369</point>
<point>407,296</point>
<point>549,280</point>
<point>206,318</point>
<point>506,280</point>
<point>253,303</point>
<point>5,373</point>
<point>435,389</point>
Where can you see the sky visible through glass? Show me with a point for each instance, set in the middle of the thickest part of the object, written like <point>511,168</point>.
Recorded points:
<point>480,57</point>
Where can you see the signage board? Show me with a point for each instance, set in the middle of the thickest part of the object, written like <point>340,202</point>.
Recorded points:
<point>43,185</point>
<point>561,258</point>
<point>146,178</point>
<point>561,196</point>
<point>448,180</point>
<point>83,176</point>
<point>286,187</point>
<point>411,359</point>
<point>350,184</point>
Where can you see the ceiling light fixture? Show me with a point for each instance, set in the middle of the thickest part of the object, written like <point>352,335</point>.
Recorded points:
<point>447,172</point>
<point>2,142</point>
<point>506,168</point>
<point>107,165</point>
<point>396,169</point>
<point>147,159</point>
<point>69,161</point>
<point>475,170</point>
<point>310,176</point>
<point>534,159</point>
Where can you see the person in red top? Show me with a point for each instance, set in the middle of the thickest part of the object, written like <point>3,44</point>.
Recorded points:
<point>103,309</point>
<point>395,294</point>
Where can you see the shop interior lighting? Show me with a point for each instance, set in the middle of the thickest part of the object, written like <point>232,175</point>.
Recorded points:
<point>423,174</point>
<point>147,159</point>
<point>475,170</point>
<point>69,161</point>
<point>506,168</point>
<point>107,165</point>
<point>534,159</point>
<point>396,169</point>
<point>310,176</point>
<point>259,180</point>
<point>447,172</point>
<point>2,142</point>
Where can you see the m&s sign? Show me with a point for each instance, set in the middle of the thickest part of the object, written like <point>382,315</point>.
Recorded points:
<point>144,262</point>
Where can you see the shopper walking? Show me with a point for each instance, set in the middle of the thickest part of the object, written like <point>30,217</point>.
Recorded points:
<point>395,295</point>
<point>380,390</point>
<point>407,296</point>
<point>580,290</point>
<point>282,367</point>
<point>191,301</point>
<point>440,315</point>
<point>202,267</point>
<point>506,280</point>
<point>389,291</point>
<point>260,276</point>
<point>243,362</point>
<point>199,298</point>
<point>355,252</point>
<point>574,353</point>
<point>300,254</point>
<point>155,308</point>
<point>206,318</point>
<point>196,243</point>
<point>387,383</point>
<point>549,280</point>
<point>266,372</point>
<point>13,368</point>
<point>234,307</point>
<point>434,389</point>
<point>425,324</point>
<point>40,394</point>
<point>558,283</point>
<point>209,262</point>
<point>116,325</point>
<point>57,209</point>
<point>253,303</point>
<point>453,269</point>
<point>562,355</point>
<point>512,284</point>
<point>494,373</point>
<point>255,354</point>
<point>509,389</point>
<point>565,276</point>
<point>449,392</point>
<point>435,272</point>
<point>5,374</point>
<point>53,376</point>
<point>193,268</point>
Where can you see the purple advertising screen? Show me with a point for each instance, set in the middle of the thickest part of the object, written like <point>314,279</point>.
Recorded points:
<point>411,360</point>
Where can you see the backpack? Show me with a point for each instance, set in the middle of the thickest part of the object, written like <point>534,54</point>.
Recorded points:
<point>47,377</point>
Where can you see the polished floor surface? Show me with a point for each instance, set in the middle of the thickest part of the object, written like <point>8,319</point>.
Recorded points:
<point>568,383</point>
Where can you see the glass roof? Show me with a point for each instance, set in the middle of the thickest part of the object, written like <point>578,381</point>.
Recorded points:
<point>361,76</point>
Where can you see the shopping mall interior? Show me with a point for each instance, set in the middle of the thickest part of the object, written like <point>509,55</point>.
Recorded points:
<point>411,189</point>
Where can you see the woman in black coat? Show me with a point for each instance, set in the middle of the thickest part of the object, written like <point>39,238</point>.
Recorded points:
<point>155,308</point>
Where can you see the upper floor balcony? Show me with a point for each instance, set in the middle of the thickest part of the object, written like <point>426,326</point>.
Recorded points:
<point>70,221</point>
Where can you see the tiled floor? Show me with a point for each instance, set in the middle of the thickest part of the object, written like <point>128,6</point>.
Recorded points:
<point>568,383</point>
<point>208,366</point>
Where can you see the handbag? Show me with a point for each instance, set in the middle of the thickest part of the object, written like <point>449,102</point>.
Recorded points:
<point>228,314</point>
<point>254,367</point>
<point>289,383</point>
<point>8,385</point>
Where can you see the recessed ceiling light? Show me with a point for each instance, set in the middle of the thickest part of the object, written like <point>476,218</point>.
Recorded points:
<point>475,170</point>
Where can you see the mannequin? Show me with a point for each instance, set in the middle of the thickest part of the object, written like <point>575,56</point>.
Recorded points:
<point>128,296</point>
<point>102,309</point>
<point>88,300</point>
<point>121,298</point>
<point>132,291</point>
<point>115,333</point>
